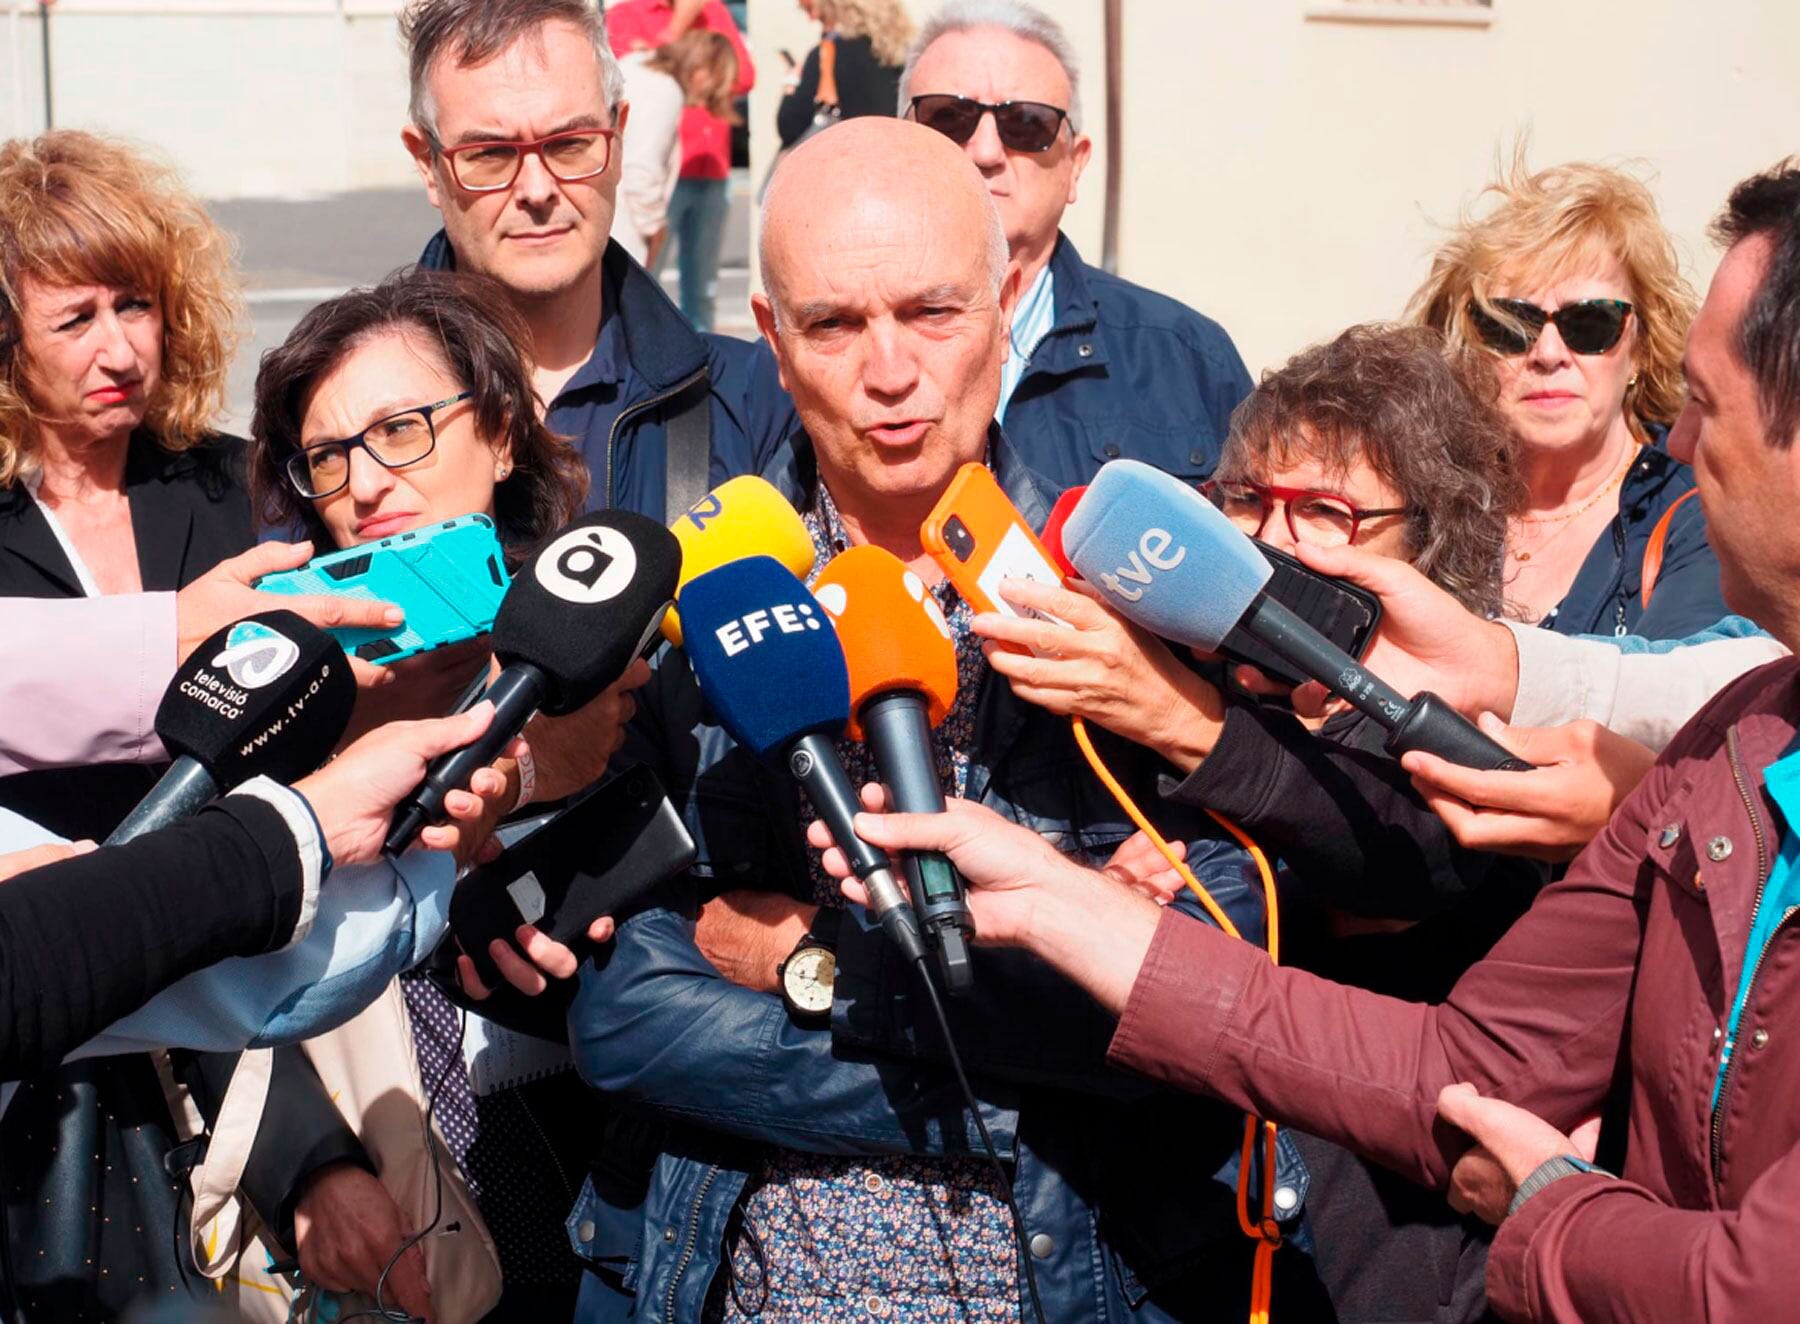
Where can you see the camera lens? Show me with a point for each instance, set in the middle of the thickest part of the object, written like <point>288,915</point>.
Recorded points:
<point>962,542</point>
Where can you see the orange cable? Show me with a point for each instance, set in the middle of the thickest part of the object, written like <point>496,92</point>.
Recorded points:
<point>1267,1233</point>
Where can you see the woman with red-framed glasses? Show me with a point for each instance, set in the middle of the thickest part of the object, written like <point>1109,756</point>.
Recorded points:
<point>1382,438</point>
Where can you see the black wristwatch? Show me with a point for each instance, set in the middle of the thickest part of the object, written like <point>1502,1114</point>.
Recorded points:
<point>809,974</point>
<point>1550,1170</point>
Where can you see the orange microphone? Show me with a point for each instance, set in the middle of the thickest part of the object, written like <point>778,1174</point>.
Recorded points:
<point>902,684</point>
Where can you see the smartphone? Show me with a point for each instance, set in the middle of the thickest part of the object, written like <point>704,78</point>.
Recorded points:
<point>449,578</point>
<point>1344,613</point>
<point>979,538</point>
<point>602,854</point>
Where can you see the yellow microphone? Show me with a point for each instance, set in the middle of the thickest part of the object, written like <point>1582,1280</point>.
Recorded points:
<point>744,516</point>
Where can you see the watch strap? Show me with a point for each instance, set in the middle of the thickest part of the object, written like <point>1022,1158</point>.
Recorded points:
<point>1550,1170</point>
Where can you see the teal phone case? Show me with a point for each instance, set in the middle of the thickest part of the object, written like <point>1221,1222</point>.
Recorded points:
<point>448,578</point>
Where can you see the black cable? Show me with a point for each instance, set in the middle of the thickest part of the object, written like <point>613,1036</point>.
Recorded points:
<point>382,1310</point>
<point>987,1141</point>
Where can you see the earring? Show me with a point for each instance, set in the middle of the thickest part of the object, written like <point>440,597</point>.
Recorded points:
<point>505,470</point>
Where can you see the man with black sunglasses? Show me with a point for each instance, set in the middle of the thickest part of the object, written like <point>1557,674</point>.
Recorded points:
<point>1098,367</point>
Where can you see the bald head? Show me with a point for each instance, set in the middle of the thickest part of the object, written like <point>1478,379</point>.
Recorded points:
<point>876,171</point>
<point>889,300</point>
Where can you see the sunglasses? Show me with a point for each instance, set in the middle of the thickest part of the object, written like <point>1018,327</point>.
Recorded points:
<point>1023,126</point>
<point>1588,326</point>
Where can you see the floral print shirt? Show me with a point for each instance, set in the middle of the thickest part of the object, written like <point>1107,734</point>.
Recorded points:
<point>827,1239</point>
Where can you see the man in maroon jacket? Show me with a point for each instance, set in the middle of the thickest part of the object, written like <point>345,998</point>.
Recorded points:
<point>1665,953</point>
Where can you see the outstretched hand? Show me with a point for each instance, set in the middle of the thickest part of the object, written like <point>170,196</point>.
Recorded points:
<point>355,795</point>
<point>1582,772</point>
<point>1103,668</point>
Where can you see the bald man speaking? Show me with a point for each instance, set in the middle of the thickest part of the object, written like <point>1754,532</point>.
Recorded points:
<point>811,1156</point>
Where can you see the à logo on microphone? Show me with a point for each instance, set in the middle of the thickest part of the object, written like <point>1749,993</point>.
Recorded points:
<point>255,655</point>
<point>748,630</point>
<point>588,565</point>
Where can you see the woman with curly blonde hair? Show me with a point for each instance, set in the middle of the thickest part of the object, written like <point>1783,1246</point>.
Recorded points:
<point>118,304</point>
<point>855,68</point>
<point>1570,283</point>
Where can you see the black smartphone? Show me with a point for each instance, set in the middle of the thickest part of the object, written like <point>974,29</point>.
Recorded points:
<point>1344,613</point>
<point>602,854</point>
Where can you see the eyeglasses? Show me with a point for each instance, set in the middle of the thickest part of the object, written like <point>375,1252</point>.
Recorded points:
<point>1587,326</point>
<point>493,167</point>
<point>1320,519</point>
<point>1023,126</point>
<point>323,469</point>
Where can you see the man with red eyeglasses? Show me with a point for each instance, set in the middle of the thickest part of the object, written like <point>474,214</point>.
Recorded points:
<point>1098,367</point>
<point>516,113</point>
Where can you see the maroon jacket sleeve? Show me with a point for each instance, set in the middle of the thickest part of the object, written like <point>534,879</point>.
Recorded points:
<point>1537,1022</point>
<point>1591,1249</point>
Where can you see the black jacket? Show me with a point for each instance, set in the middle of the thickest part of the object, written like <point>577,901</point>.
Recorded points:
<point>225,883</point>
<point>865,87</point>
<point>91,1140</point>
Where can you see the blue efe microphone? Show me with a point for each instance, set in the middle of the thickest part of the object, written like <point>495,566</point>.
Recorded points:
<point>770,664</point>
<point>1168,559</point>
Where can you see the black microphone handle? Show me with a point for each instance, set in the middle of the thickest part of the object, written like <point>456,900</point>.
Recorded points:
<point>814,763</point>
<point>516,694</point>
<point>179,793</point>
<point>1435,727</point>
<point>1425,722</point>
<point>899,730</point>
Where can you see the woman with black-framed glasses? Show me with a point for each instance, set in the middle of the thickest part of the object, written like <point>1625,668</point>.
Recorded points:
<point>386,410</point>
<point>1569,281</point>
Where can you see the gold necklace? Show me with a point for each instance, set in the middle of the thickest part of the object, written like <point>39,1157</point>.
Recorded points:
<point>1567,520</point>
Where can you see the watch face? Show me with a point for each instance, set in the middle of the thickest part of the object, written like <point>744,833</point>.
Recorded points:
<point>808,977</point>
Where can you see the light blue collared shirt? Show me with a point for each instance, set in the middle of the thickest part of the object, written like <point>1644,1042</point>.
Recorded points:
<point>1031,322</point>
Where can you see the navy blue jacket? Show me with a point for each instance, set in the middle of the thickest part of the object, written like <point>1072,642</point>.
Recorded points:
<point>1131,1184</point>
<point>1124,371</point>
<point>645,359</point>
<point>1607,595</point>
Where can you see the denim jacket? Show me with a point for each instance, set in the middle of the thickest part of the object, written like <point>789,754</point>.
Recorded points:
<point>1126,1189</point>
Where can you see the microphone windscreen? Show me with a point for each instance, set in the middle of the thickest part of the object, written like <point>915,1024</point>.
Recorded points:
<point>1052,535</point>
<point>893,632</point>
<point>1163,555</point>
<point>765,655</point>
<point>267,696</point>
<point>586,601</point>
<point>743,517</point>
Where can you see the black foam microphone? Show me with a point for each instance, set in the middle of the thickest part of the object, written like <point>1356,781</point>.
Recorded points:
<point>581,607</point>
<point>267,696</point>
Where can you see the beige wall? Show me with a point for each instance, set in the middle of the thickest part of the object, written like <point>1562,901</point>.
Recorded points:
<point>779,24</point>
<point>247,97</point>
<point>1284,173</point>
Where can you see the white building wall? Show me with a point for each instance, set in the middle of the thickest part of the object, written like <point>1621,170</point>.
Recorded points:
<point>1282,172</point>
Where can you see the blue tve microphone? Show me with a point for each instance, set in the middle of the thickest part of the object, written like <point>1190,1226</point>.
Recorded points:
<point>769,663</point>
<point>1169,560</point>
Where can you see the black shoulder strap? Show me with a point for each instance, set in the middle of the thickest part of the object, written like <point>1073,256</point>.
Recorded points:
<point>687,439</point>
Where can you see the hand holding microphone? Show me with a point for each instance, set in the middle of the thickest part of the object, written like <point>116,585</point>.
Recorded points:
<point>576,615</point>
